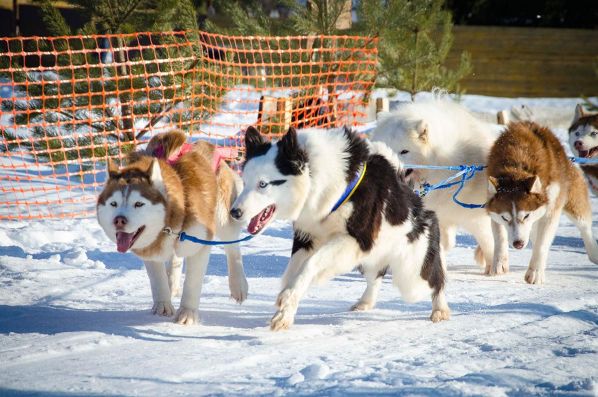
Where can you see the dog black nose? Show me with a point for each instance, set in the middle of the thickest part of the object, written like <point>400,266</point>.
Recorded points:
<point>120,221</point>
<point>236,213</point>
<point>518,244</point>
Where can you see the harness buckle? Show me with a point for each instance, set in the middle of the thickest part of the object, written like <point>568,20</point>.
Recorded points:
<point>169,232</point>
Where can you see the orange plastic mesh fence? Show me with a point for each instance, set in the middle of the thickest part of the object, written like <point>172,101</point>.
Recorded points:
<point>68,103</point>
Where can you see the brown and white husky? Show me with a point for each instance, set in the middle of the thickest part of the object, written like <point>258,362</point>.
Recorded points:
<point>173,186</point>
<point>531,181</point>
<point>583,140</point>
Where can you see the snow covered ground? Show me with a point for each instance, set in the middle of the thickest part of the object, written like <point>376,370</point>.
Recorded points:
<point>75,320</point>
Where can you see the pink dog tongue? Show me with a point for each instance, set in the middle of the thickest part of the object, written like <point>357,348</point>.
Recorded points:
<point>124,241</point>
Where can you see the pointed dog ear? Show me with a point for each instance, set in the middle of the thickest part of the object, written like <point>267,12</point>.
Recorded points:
<point>291,158</point>
<point>579,113</point>
<point>422,130</point>
<point>288,143</point>
<point>255,143</point>
<point>492,185</point>
<point>112,169</point>
<point>533,185</point>
<point>155,174</point>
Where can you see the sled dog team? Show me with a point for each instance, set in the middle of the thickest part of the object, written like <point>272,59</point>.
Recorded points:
<point>351,203</point>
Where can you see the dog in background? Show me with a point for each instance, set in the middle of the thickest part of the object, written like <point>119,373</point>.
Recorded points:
<point>530,182</point>
<point>443,133</point>
<point>172,187</point>
<point>583,140</point>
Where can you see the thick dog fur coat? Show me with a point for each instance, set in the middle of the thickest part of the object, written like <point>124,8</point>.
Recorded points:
<point>149,195</point>
<point>530,182</point>
<point>382,226</point>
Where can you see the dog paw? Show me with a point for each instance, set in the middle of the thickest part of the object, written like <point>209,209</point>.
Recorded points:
<point>282,320</point>
<point>163,309</point>
<point>361,306</point>
<point>238,288</point>
<point>440,315</point>
<point>533,276</point>
<point>186,316</point>
<point>495,269</point>
<point>286,298</point>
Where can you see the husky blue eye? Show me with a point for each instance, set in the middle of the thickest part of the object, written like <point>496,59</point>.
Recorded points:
<point>113,204</point>
<point>578,133</point>
<point>262,184</point>
<point>594,133</point>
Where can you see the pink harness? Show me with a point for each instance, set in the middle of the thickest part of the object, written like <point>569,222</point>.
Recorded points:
<point>220,153</point>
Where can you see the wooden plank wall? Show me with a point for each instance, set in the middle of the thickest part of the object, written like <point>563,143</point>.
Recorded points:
<point>528,62</point>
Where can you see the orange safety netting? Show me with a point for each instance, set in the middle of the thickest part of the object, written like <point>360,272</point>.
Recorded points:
<point>68,103</point>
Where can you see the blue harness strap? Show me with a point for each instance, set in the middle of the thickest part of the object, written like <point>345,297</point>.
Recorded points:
<point>182,236</point>
<point>584,160</point>
<point>351,188</point>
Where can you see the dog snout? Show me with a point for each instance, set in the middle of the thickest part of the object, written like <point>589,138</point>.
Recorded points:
<point>518,244</point>
<point>578,145</point>
<point>236,213</point>
<point>120,221</point>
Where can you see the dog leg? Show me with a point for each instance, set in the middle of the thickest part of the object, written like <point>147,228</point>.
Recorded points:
<point>194,275</point>
<point>295,263</point>
<point>500,261</point>
<point>440,309</point>
<point>546,230</point>
<point>237,282</point>
<point>481,229</point>
<point>579,210</point>
<point>174,269</point>
<point>448,240</point>
<point>370,295</point>
<point>339,255</point>
<point>160,289</point>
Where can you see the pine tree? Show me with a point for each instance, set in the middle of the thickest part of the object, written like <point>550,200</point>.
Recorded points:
<point>415,39</point>
<point>96,102</point>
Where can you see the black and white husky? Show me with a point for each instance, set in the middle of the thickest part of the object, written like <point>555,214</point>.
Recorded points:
<point>350,207</point>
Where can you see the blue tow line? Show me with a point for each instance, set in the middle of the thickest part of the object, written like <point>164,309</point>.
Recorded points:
<point>466,173</point>
<point>182,236</point>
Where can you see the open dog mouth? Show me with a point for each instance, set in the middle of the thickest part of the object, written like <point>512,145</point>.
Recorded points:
<point>588,153</point>
<point>259,222</point>
<point>124,241</point>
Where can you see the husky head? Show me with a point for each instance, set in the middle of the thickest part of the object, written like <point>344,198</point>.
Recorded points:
<point>583,134</point>
<point>410,139</point>
<point>132,207</point>
<point>516,204</point>
<point>276,180</point>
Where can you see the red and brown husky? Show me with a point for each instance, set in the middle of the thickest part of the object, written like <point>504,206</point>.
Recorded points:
<point>583,140</point>
<point>173,186</point>
<point>531,181</point>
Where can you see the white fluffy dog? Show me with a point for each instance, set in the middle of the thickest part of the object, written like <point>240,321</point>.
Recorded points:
<point>440,132</point>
